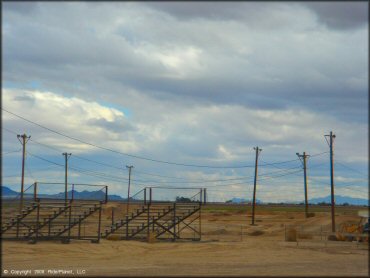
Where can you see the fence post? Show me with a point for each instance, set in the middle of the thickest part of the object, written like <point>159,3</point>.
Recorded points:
<point>126,226</point>
<point>150,195</point>
<point>99,224</point>
<point>174,221</point>
<point>205,196</point>
<point>200,222</point>
<point>37,222</point>
<point>69,221</point>
<point>35,191</point>
<point>73,191</point>
<point>106,194</point>
<point>79,228</point>
<point>148,221</point>
<point>144,196</point>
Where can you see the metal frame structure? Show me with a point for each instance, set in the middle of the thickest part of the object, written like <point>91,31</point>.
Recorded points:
<point>52,218</point>
<point>66,216</point>
<point>167,220</point>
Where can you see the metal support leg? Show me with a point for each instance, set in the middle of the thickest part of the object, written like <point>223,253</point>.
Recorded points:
<point>148,221</point>
<point>126,227</point>
<point>200,223</point>
<point>37,222</point>
<point>17,233</point>
<point>79,228</point>
<point>174,222</point>
<point>69,222</point>
<point>99,224</point>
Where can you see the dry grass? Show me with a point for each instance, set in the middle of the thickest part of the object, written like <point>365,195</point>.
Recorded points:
<point>255,233</point>
<point>291,235</point>
<point>114,237</point>
<point>151,238</point>
<point>304,236</point>
<point>222,252</point>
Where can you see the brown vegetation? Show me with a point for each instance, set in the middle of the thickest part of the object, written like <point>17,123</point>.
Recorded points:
<point>229,246</point>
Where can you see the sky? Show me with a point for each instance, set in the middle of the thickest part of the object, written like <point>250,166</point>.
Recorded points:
<point>184,91</point>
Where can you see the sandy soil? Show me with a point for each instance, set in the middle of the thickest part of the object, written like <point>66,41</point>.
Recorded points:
<point>228,254</point>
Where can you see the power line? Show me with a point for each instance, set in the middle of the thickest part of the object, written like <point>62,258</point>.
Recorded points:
<point>135,156</point>
<point>354,170</point>
<point>339,186</point>
<point>86,172</point>
<point>191,181</point>
<point>17,151</point>
<point>221,180</point>
<point>318,154</point>
<point>118,152</point>
<point>137,182</point>
<point>46,160</point>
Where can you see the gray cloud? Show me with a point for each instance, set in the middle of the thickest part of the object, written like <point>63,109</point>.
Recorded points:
<point>24,98</point>
<point>336,15</point>
<point>204,81</point>
<point>119,125</point>
<point>341,15</point>
<point>24,8</point>
<point>263,70</point>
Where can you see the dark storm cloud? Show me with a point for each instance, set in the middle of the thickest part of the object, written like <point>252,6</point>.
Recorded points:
<point>337,15</point>
<point>341,15</point>
<point>199,9</point>
<point>235,65</point>
<point>25,7</point>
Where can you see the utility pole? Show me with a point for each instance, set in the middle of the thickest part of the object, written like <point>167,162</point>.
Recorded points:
<point>129,184</point>
<point>255,182</point>
<point>24,140</point>
<point>66,156</point>
<point>304,156</point>
<point>330,143</point>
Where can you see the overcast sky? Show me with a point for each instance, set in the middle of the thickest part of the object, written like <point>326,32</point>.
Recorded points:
<point>195,83</point>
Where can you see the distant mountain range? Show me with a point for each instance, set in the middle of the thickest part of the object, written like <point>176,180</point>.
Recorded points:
<point>241,200</point>
<point>5,191</point>
<point>340,200</point>
<point>99,195</point>
<point>84,195</point>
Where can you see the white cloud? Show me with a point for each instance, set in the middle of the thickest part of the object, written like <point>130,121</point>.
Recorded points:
<point>221,134</point>
<point>203,83</point>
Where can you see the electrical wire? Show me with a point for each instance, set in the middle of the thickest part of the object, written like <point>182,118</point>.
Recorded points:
<point>354,170</point>
<point>135,156</point>
<point>192,181</point>
<point>17,151</point>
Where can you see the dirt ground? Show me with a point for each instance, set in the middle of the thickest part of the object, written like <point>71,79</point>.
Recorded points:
<point>229,246</point>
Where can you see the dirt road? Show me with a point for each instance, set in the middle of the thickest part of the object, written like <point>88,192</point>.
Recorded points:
<point>260,256</point>
<point>222,252</point>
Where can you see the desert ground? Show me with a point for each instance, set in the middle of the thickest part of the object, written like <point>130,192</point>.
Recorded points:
<point>229,246</point>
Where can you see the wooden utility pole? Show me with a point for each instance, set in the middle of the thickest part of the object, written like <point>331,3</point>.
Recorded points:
<point>129,184</point>
<point>255,182</point>
<point>304,156</point>
<point>24,140</point>
<point>66,156</point>
<point>330,143</point>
